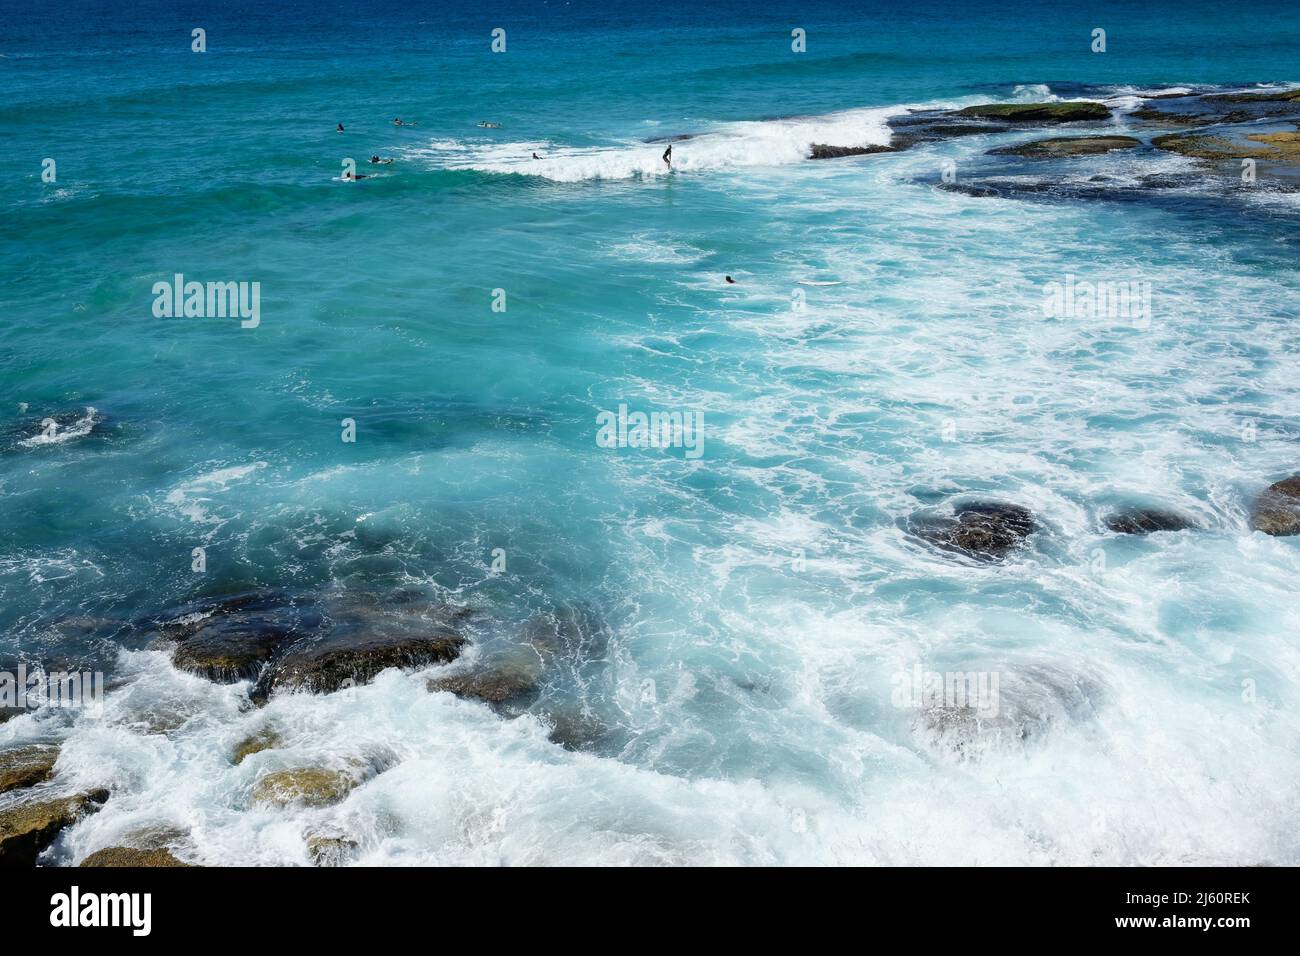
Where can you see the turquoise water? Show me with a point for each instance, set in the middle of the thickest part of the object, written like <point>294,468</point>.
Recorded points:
<point>756,603</point>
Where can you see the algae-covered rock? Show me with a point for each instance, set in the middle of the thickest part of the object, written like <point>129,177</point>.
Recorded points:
<point>1068,146</point>
<point>1277,509</point>
<point>1038,112</point>
<point>27,828</point>
<point>1202,146</point>
<point>26,766</point>
<point>132,856</point>
<point>304,786</point>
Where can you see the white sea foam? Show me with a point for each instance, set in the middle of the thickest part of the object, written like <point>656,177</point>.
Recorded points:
<point>726,146</point>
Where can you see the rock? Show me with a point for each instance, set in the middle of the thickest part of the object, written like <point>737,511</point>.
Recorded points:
<point>1287,145</point>
<point>132,856</point>
<point>1147,520</point>
<point>348,658</point>
<point>1151,115</point>
<point>575,731</point>
<point>1006,708</point>
<point>234,638</point>
<point>1201,146</point>
<point>58,427</point>
<point>26,766</point>
<point>977,190</point>
<point>306,786</point>
<point>264,739</point>
<point>1277,509</point>
<point>1284,96</point>
<point>1068,146</point>
<point>330,850</point>
<point>496,681</point>
<point>574,634</point>
<point>822,151</point>
<point>1038,112</point>
<point>984,530</point>
<point>27,828</point>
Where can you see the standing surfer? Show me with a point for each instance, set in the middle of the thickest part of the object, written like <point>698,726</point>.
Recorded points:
<point>668,155</point>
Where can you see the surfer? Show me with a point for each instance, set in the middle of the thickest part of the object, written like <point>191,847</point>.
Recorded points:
<point>340,127</point>
<point>668,155</point>
<point>535,156</point>
<point>730,281</point>
<point>376,159</point>
<point>352,177</point>
<point>486,125</point>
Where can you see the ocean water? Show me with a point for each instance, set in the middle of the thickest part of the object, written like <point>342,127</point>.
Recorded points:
<point>750,612</point>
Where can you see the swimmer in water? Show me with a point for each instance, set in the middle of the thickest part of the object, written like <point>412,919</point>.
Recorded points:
<point>668,155</point>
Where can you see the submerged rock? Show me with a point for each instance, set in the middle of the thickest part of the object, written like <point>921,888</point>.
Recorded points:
<point>495,682</point>
<point>1038,112</point>
<point>265,739</point>
<point>26,766</point>
<point>306,786</point>
<point>1147,521</point>
<point>575,731</point>
<point>984,530</point>
<point>1004,708</point>
<point>132,856</point>
<point>27,828</point>
<point>822,151</point>
<point>1068,146</point>
<point>57,428</point>
<point>1277,509</point>
<point>234,638</point>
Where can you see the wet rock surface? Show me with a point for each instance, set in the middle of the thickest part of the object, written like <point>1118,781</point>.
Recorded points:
<point>306,786</point>
<point>823,151</point>
<point>1277,509</point>
<point>351,658</point>
<point>311,643</point>
<point>28,827</point>
<point>27,766</point>
<point>265,739</point>
<point>330,849</point>
<point>132,856</point>
<point>500,680</point>
<point>987,531</point>
<point>1147,521</point>
<point>1044,113</point>
<point>1068,146</point>
<point>233,638</point>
